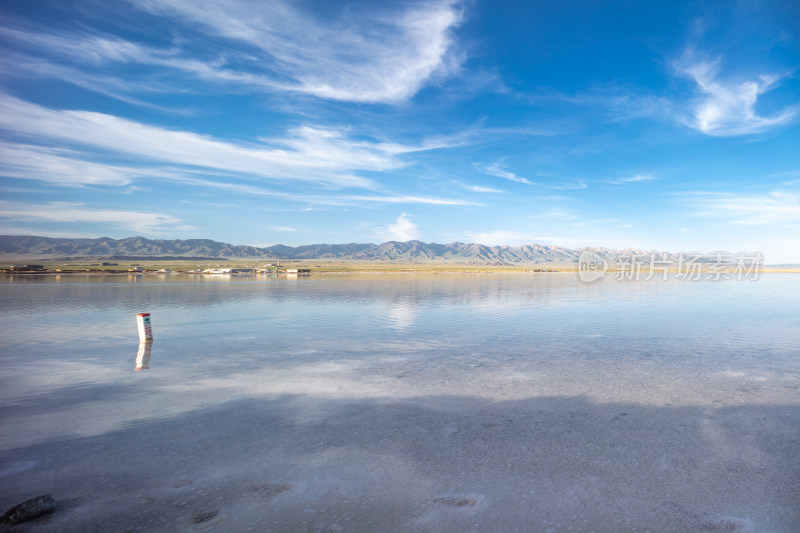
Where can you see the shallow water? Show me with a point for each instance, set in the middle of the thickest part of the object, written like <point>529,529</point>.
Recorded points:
<point>252,382</point>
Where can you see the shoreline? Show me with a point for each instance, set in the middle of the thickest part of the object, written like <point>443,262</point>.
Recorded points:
<point>361,269</point>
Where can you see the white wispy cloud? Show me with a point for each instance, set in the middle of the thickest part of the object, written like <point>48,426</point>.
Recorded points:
<point>403,229</point>
<point>87,47</point>
<point>44,164</point>
<point>359,56</point>
<point>774,208</point>
<point>631,179</point>
<point>496,169</point>
<point>284,229</point>
<point>66,213</point>
<point>44,232</point>
<point>789,174</point>
<point>317,154</point>
<point>82,59</point>
<point>405,199</point>
<point>727,106</point>
<point>15,65</point>
<point>476,188</point>
<point>724,102</point>
<point>616,103</point>
<point>575,186</point>
<point>314,199</point>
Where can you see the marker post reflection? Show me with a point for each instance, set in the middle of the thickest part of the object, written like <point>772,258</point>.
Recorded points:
<point>143,357</point>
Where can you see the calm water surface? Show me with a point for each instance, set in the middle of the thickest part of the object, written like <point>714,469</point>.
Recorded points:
<point>69,347</point>
<point>218,323</point>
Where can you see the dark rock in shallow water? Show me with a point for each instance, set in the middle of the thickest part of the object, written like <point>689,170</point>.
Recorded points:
<point>204,517</point>
<point>29,510</point>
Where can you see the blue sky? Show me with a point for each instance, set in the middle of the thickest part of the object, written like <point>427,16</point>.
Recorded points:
<point>658,125</point>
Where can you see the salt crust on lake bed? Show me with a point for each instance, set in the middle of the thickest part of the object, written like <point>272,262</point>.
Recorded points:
<point>387,445</point>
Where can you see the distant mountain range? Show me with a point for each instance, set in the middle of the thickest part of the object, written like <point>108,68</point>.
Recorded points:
<point>140,248</point>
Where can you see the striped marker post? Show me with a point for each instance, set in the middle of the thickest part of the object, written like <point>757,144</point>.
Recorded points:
<point>145,330</point>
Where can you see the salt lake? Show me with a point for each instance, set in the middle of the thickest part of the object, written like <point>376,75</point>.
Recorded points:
<point>402,402</point>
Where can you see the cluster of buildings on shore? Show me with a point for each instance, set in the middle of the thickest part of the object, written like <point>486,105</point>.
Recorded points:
<point>251,271</point>
<point>26,268</point>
